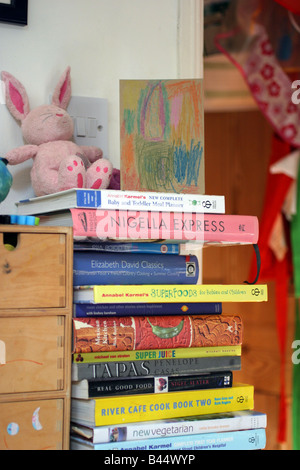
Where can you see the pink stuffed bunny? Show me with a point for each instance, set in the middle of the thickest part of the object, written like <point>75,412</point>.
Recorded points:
<point>58,163</point>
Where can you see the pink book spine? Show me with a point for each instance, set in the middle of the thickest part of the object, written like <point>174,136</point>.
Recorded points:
<point>147,225</point>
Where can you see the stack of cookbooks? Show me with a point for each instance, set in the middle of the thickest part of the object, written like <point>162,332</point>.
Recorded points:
<point>153,354</point>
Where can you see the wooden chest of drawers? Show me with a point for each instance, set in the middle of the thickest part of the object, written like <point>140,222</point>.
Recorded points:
<point>36,271</point>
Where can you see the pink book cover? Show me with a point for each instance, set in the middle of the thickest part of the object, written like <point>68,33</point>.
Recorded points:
<point>147,225</point>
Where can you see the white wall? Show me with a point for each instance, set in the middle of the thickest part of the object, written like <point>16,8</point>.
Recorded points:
<point>103,41</point>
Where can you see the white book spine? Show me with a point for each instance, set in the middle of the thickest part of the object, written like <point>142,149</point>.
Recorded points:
<point>158,429</point>
<point>164,202</point>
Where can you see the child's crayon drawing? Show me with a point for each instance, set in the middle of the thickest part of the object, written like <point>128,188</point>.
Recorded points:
<point>162,135</point>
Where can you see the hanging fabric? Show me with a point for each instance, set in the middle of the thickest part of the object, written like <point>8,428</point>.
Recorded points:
<point>292,5</point>
<point>260,39</point>
<point>265,58</point>
<point>276,263</point>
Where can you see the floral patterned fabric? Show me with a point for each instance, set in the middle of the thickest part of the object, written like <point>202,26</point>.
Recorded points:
<point>272,89</point>
<point>269,62</point>
<point>268,59</point>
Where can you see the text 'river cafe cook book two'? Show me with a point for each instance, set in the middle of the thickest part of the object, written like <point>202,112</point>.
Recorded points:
<point>155,406</point>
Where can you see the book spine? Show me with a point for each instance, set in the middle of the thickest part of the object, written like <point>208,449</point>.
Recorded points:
<point>127,269</point>
<point>179,293</point>
<point>148,225</point>
<point>139,247</point>
<point>137,200</point>
<point>147,407</point>
<point>156,354</point>
<point>162,367</point>
<point>163,384</point>
<point>89,198</point>
<point>140,333</point>
<point>157,430</point>
<point>81,310</point>
<point>233,440</point>
<point>244,420</point>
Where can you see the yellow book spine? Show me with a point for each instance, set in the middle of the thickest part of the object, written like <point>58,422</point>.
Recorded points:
<point>155,354</point>
<point>180,293</point>
<point>147,407</point>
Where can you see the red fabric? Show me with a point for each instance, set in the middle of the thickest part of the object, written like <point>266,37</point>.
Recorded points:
<point>277,187</point>
<point>274,270</point>
<point>292,5</point>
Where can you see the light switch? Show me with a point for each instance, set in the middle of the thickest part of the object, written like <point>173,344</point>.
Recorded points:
<point>91,121</point>
<point>92,127</point>
<point>80,127</point>
<point>90,118</point>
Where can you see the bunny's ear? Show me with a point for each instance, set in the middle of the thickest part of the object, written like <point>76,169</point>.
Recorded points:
<point>62,92</point>
<point>16,96</point>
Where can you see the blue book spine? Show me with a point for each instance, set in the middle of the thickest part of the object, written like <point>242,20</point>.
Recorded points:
<point>81,310</point>
<point>138,247</point>
<point>88,198</point>
<point>94,268</point>
<point>233,440</point>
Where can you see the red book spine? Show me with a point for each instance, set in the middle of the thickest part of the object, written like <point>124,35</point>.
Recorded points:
<point>142,333</point>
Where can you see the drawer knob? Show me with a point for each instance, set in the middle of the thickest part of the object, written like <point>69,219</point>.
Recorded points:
<point>2,353</point>
<point>10,240</point>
